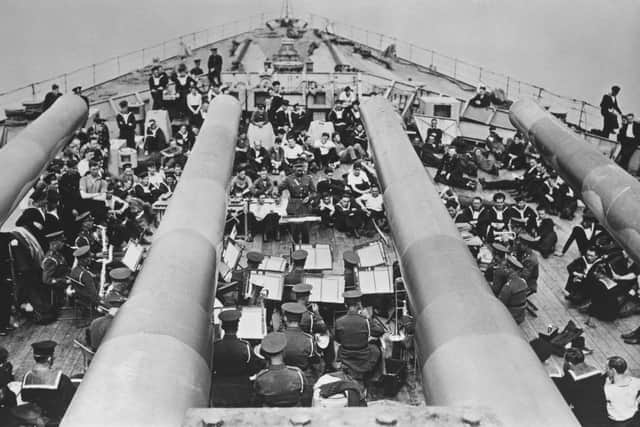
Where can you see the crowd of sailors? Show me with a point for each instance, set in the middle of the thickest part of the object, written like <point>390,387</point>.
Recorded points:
<point>67,247</point>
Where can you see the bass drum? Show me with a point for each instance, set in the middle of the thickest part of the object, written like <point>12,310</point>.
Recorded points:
<point>634,163</point>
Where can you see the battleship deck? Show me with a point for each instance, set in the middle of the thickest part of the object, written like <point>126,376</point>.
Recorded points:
<point>602,337</point>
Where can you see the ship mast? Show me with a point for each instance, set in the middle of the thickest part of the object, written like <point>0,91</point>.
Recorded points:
<point>285,9</point>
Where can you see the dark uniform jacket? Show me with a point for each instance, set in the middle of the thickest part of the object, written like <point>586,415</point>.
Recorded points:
<point>154,140</point>
<point>54,268</point>
<point>312,323</point>
<point>98,329</point>
<point>158,84</point>
<point>39,224</point>
<point>49,99</point>
<point>584,393</point>
<point>86,238</point>
<point>300,348</point>
<point>481,101</point>
<point>233,364</point>
<point>85,284</point>
<point>127,126</point>
<point>279,386</point>
<point>514,296</point>
<point>51,391</point>
<point>352,331</point>
<point>299,188</point>
<point>530,270</point>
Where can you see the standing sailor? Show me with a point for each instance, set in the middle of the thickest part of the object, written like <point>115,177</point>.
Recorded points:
<point>126,124</point>
<point>215,67</point>
<point>49,388</point>
<point>233,364</point>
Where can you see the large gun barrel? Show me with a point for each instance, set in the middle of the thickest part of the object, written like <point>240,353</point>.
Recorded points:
<point>471,350</point>
<point>605,188</point>
<point>154,362</point>
<point>26,156</point>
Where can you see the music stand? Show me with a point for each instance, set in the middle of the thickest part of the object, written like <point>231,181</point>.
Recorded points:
<point>133,256</point>
<point>272,284</point>
<point>273,263</point>
<point>229,260</point>
<point>326,288</point>
<point>252,324</point>
<point>370,254</point>
<point>319,256</point>
<point>375,280</point>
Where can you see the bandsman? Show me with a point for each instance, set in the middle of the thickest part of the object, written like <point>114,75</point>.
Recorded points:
<point>279,385</point>
<point>353,331</point>
<point>233,364</point>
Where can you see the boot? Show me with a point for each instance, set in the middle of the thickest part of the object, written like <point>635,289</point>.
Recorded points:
<point>633,334</point>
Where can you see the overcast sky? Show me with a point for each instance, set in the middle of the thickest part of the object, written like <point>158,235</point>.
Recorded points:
<point>574,47</point>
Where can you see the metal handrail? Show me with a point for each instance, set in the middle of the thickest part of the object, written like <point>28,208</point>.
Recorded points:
<point>453,66</point>
<point>583,111</point>
<point>140,57</point>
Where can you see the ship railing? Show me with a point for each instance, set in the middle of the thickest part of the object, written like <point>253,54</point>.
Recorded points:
<point>579,111</point>
<point>111,68</point>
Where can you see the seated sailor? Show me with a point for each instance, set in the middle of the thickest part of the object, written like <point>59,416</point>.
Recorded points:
<point>264,218</point>
<point>49,388</point>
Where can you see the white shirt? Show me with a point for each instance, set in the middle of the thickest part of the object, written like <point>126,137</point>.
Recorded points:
<point>292,153</point>
<point>347,98</point>
<point>630,130</point>
<point>353,180</point>
<point>622,400</point>
<point>322,206</point>
<point>372,203</point>
<point>324,148</point>
<point>261,211</point>
<point>157,178</point>
<point>194,100</point>
<point>83,167</point>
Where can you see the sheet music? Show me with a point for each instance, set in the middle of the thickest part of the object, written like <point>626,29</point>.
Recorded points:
<point>273,263</point>
<point>371,255</point>
<point>252,324</point>
<point>132,256</point>
<point>326,289</point>
<point>378,280</point>
<point>231,255</point>
<point>319,258</point>
<point>271,283</point>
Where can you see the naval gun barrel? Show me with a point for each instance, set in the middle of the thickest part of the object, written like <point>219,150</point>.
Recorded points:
<point>154,362</point>
<point>606,189</point>
<point>471,351</point>
<point>27,155</point>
